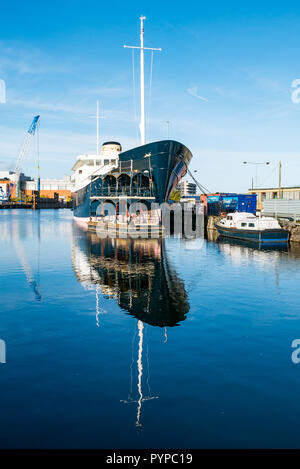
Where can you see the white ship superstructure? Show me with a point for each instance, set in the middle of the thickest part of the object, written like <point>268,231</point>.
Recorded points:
<point>88,165</point>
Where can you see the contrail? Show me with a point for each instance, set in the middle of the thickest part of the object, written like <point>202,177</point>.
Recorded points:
<point>194,92</point>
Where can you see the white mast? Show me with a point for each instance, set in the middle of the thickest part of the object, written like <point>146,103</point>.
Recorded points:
<point>142,85</point>
<point>143,118</point>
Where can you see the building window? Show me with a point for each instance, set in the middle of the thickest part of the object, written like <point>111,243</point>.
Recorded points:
<point>263,196</point>
<point>274,195</point>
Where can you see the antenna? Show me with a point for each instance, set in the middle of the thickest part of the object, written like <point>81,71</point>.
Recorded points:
<point>98,117</point>
<point>142,48</point>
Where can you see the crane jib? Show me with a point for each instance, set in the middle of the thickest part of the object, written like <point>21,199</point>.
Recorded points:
<point>33,125</point>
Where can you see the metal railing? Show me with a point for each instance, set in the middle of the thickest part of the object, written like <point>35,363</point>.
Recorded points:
<point>282,208</point>
<point>121,192</point>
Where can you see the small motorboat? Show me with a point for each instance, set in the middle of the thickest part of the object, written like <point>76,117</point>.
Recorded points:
<point>246,226</point>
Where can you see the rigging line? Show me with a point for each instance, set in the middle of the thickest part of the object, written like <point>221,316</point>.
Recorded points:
<point>200,186</point>
<point>150,88</point>
<point>38,148</point>
<point>134,97</point>
<point>271,174</point>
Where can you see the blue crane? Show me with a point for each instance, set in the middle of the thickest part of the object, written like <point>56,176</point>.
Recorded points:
<point>23,153</point>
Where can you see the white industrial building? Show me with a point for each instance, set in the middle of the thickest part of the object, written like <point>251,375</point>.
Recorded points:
<point>187,188</point>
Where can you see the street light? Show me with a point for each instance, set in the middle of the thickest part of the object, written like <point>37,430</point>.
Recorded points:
<point>256,165</point>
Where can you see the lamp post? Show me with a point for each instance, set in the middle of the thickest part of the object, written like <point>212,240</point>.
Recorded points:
<point>256,170</point>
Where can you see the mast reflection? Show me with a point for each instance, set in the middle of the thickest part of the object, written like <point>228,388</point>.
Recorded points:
<point>137,274</point>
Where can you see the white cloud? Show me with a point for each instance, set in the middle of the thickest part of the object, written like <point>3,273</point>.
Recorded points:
<point>194,92</point>
<point>29,60</point>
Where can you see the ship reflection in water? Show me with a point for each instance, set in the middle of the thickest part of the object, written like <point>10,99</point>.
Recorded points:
<point>135,340</point>
<point>137,275</point>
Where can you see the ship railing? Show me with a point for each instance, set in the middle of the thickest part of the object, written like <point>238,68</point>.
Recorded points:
<point>121,192</point>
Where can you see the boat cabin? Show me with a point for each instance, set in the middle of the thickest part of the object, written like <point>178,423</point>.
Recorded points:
<point>248,221</point>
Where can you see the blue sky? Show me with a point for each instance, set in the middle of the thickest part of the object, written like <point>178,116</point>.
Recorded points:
<point>58,58</point>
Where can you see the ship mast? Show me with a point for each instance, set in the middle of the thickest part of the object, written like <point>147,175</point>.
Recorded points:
<point>142,78</point>
<point>143,117</point>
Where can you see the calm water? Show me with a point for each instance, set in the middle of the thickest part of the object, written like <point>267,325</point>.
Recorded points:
<point>144,344</point>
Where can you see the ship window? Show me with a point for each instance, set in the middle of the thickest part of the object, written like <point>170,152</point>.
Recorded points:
<point>106,161</point>
<point>244,224</point>
<point>251,225</point>
<point>80,171</point>
<point>229,217</point>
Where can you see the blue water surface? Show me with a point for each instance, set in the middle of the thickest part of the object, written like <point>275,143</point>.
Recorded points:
<point>144,344</point>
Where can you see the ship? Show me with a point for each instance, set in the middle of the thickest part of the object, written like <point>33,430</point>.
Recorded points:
<point>148,173</point>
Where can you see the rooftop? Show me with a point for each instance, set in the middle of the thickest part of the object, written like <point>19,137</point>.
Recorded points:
<point>274,188</point>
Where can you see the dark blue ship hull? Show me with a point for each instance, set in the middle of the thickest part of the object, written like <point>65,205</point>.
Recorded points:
<point>162,163</point>
<point>271,236</point>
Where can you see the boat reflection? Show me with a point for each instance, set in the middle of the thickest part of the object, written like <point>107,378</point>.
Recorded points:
<point>252,246</point>
<point>137,274</point>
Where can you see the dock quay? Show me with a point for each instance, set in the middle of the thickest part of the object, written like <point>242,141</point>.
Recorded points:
<point>14,205</point>
<point>42,203</point>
